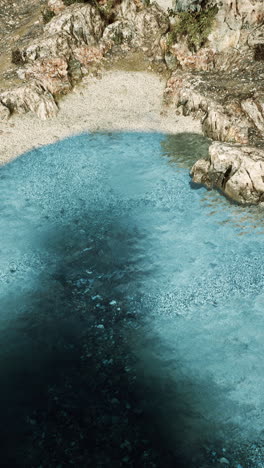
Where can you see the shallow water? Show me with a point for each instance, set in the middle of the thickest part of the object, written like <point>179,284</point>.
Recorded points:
<point>122,281</point>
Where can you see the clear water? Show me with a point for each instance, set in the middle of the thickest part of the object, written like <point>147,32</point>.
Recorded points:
<point>109,255</point>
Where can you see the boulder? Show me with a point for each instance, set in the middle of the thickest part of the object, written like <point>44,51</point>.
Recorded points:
<point>138,27</point>
<point>30,97</point>
<point>51,72</point>
<point>238,171</point>
<point>83,24</point>
<point>76,26</point>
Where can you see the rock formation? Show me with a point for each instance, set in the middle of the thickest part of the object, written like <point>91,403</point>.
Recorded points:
<point>236,170</point>
<point>74,40</point>
<point>221,82</point>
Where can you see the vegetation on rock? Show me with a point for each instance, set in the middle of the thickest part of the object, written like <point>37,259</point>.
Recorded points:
<point>47,15</point>
<point>195,26</point>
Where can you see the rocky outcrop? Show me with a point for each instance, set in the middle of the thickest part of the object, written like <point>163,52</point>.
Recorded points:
<point>234,21</point>
<point>238,171</point>
<point>53,73</point>
<point>138,26</point>
<point>55,6</point>
<point>75,26</point>
<point>217,102</point>
<point>75,41</point>
<point>221,83</point>
<point>32,97</point>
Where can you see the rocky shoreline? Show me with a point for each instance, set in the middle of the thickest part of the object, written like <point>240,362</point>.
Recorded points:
<point>218,80</point>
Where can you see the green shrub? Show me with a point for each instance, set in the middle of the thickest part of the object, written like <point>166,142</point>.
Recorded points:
<point>195,26</point>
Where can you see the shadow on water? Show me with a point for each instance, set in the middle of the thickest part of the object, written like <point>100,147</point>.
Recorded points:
<point>185,149</point>
<point>74,390</point>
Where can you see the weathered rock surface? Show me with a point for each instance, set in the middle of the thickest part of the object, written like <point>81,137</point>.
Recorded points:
<point>31,97</point>
<point>4,112</point>
<point>222,84</point>
<point>233,23</point>
<point>231,110</point>
<point>75,40</point>
<point>138,26</point>
<point>53,73</point>
<point>238,171</point>
<point>56,6</point>
<point>76,25</point>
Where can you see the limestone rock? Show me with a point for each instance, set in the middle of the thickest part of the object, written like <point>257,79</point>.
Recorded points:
<point>234,22</point>
<point>75,26</point>
<point>255,110</point>
<point>83,24</point>
<point>238,171</point>
<point>87,55</point>
<point>138,27</point>
<point>237,24</point>
<point>4,112</point>
<point>31,97</point>
<point>202,60</point>
<point>52,73</point>
<point>56,6</point>
<point>58,45</point>
<point>221,119</point>
<point>119,32</point>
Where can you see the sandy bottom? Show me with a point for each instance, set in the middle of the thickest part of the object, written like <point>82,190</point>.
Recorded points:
<point>119,101</point>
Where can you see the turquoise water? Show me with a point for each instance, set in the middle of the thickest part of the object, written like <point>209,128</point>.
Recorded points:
<point>131,309</point>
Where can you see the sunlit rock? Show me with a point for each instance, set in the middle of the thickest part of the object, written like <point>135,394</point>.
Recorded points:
<point>52,73</point>
<point>238,171</point>
<point>138,26</point>
<point>198,95</point>
<point>56,6</point>
<point>31,97</point>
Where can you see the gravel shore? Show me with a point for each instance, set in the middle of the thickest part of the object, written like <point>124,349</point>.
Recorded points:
<point>120,100</point>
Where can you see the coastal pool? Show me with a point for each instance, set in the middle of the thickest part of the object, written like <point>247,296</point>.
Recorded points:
<point>132,309</point>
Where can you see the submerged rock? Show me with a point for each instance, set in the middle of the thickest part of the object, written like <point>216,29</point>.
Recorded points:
<point>238,171</point>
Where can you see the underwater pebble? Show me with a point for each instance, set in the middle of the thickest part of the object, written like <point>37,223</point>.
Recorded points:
<point>100,326</point>
<point>13,268</point>
<point>224,461</point>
